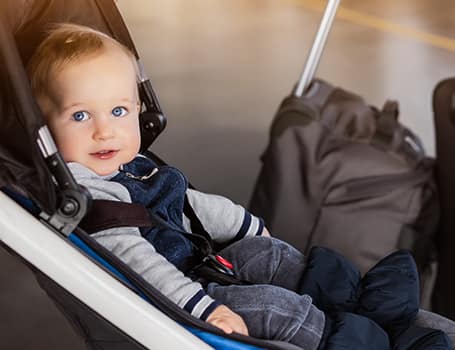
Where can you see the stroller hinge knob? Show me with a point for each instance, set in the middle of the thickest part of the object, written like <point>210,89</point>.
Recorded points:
<point>70,207</point>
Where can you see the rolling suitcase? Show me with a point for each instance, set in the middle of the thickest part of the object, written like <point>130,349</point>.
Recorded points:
<point>342,174</point>
<point>444,120</point>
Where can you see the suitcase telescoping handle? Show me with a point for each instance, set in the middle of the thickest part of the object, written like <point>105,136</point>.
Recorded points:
<point>317,48</point>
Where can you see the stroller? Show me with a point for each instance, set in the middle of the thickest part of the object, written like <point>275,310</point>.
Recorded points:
<point>30,165</point>
<point>92,286</point>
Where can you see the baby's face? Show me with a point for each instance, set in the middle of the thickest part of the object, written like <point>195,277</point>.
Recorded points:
<point>93,111</point>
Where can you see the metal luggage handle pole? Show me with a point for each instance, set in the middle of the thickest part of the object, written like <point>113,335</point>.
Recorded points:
<point>317,48</point>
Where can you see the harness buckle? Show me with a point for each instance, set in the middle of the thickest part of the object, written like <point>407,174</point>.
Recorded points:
<point>220,264</point>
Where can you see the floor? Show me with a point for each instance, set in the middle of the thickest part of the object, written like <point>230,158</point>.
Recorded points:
<point>220,69</point>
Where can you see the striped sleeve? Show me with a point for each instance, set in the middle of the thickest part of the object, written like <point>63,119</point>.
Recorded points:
<point>135,251</point>
<point>201,305</point>
<point>223,220</point>
<point>127,244</point>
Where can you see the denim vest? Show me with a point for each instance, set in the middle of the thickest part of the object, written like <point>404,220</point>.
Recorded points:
<point>162,191</point>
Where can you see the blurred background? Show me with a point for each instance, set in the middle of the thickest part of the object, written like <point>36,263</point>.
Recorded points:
<point>220,69</point>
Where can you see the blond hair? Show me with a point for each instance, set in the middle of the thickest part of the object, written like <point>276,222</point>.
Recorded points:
<point>67,43</point>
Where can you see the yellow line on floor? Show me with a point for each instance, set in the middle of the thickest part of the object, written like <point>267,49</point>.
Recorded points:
<point>380,24</point>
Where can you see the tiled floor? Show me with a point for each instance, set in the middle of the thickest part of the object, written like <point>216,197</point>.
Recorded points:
<point>221,67</point>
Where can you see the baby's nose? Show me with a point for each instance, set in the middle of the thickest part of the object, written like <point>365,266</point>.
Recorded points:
<point>103,129</point>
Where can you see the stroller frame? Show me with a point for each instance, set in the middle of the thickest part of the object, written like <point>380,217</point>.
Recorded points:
<point>92,284</point>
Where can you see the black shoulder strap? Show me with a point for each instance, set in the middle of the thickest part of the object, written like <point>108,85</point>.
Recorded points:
<point>105,214</point>
<point>196,224</point>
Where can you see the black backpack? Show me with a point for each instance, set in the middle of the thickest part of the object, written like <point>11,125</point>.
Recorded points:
<point>342,174</point>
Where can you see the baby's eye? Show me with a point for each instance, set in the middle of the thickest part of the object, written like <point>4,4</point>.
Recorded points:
<point>119,111</point>
<point>80,116</point>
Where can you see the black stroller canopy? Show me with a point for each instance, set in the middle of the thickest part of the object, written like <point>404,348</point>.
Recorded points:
<point>30,23</point>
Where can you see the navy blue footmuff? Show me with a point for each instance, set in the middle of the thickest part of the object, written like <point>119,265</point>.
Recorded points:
<point>345,330</point>
<point>388,294</point>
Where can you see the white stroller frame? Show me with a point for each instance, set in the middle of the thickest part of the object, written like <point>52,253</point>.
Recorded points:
<point>91,283</point>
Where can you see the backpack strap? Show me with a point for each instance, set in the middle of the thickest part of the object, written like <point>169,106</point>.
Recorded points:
<point>386,126</point>
<point>393,137</point>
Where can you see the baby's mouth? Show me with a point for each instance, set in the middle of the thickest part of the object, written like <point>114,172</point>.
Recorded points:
<point>105,154</point>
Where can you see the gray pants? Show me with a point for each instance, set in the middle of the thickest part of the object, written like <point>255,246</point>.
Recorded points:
<point>271,307</point>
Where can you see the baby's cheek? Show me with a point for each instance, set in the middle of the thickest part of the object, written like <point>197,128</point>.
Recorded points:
<point>67,147</point>
<point>138,136</point>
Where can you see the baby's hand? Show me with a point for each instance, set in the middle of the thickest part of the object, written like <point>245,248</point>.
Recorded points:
<point>227,320</point>
<point>265,232</point>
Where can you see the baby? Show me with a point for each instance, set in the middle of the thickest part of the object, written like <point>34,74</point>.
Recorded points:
<point>85,84</point>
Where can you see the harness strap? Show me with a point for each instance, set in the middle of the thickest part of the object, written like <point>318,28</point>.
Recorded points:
<point>196,224</point>
<point>106,214</point>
